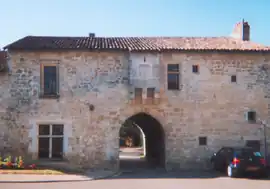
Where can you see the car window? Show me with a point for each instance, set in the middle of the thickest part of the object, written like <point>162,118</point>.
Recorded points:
<point>222,152</point>
<point>247,153</point>
<point>258,154</point>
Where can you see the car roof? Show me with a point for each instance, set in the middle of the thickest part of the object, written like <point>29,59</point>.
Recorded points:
<point>239,147</point>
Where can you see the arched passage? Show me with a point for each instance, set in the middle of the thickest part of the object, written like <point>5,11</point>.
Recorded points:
<point>154,138</point>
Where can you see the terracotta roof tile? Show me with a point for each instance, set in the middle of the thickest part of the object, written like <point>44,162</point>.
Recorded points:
<point>136,43</point>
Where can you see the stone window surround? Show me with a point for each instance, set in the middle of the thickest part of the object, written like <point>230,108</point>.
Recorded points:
<point>33,134</point>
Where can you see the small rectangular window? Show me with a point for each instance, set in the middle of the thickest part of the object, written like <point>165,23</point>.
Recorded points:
<point>138,95</point>
<point>233,78</point>
<point>202,141</point>
<point>150,92</point>
<point>251,116</point>
<point>195,68</point>
<point>150,95</point>
<point>173,77</point>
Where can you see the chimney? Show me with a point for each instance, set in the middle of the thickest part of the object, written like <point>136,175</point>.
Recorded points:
<point>241,31</point>
<point>92,35</point>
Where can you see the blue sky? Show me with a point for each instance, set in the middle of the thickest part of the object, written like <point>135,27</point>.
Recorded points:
<point>132,18</point>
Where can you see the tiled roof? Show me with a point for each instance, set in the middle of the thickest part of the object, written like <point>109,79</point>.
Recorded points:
<point>136,43</point>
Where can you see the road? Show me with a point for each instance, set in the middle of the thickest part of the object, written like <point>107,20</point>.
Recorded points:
<point>141,177</point>
<point>157,180</point>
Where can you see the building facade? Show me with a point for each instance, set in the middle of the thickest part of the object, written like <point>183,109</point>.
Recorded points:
<point>68,96</point>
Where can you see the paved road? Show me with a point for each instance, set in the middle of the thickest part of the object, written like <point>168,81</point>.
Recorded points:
<point>157,180</point>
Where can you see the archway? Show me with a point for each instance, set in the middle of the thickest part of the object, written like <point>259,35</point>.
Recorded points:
<point>154,141</point>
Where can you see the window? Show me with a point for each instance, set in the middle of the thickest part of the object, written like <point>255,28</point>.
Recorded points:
<point>251,116</point>
<point>195,68</point>
<point>173,76</point>
<point>150,92</point>
<point>138,95</point>
<point>202,141</point>
<point>233,78</point>
<point>49,80</point>
<point>50,141</point>
<point>150,95</point>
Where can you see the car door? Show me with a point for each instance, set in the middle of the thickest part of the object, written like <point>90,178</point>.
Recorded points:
<point>220,158</point>
<point>228,156</point>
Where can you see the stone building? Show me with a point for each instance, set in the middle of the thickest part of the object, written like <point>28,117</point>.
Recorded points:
<point>67,97</point>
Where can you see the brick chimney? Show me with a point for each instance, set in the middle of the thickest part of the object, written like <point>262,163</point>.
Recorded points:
<point>241,31</point>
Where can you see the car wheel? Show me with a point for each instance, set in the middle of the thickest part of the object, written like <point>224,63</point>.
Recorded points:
<point>231,172</point>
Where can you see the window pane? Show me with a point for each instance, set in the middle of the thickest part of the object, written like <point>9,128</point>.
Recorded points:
<point>57,129</point>
<point>44,130</point>
<point>173,67</point>
<point>57,147</point>
<point>173,81</point>
<point>43,147</point>
<point>50,79</point>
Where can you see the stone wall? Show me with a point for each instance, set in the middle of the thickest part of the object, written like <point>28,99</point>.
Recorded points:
<point>208,104</point>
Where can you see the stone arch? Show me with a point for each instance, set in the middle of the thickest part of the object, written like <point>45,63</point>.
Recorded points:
<point>154,134</point>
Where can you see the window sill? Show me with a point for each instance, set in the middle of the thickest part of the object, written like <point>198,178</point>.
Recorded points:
<point>56,96</point>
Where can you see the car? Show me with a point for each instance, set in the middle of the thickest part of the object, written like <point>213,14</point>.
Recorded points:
<point>236,161</point>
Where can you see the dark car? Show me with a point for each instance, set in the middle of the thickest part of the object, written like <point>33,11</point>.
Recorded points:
<point>236,161</point>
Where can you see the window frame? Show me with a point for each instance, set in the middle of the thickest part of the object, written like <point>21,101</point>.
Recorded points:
<point>50,136</point>
<point>42,79</point>
<point>173,73</point>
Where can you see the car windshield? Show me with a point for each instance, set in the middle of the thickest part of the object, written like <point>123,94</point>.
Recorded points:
<point>247,153</point>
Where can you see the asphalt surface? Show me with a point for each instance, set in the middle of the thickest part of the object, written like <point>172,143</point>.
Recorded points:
<point>155,179</point>
<point>135,175</point>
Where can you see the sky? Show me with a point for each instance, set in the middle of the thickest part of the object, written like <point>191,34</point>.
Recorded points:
<point>20,18</point>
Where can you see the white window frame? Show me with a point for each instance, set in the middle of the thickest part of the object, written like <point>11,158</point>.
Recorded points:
<point>51,136</point>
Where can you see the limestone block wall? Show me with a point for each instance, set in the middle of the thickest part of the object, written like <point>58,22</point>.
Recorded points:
<point>210,105</point>
<point>207,105</point>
